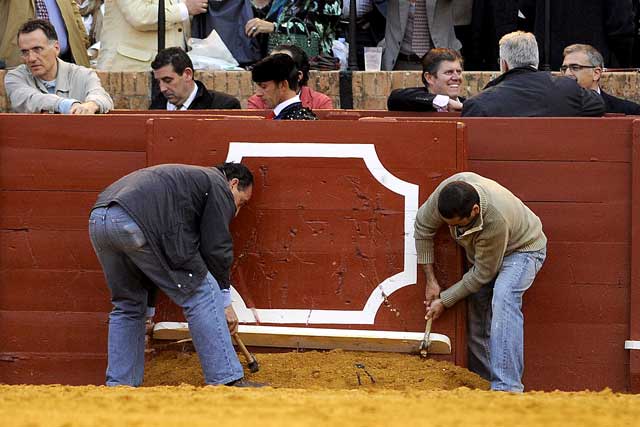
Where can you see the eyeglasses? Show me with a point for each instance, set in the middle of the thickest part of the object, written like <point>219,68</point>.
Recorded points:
<point>36,50</point>
<point>575,67</point>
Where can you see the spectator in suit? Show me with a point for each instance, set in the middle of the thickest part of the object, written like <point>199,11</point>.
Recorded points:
<point>46,83</point>
<point>585,64</point>
<point>65,17</point>
<point>606,25</point>
<point>413,28</point>
<point>173,70</point>
<point>277,85</point>
<point>309,97</point>
<point>523,91</point>
<point>129,37</point>
<point>442,78</point>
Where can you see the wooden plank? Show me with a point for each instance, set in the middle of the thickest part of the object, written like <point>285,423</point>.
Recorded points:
<point>437,140</point>
<point>53,368</point>
<point>634,293</point>
<point>48,250</point>
<point>54,290</point>
<point>41,210</point>
<point>570,375</point>
<point>74,170</point>
<point>562,139</point>
<point>586,262</point>
<point>343,185</point>
<point>325,231</point>
<point>320,338</point>
<point>575,356</point>
<point>68,132</point>
<point>584,222</point>
<point>586,342</point>
<point>53,331</point>
<point>549,301</point>
<point>587,182</point>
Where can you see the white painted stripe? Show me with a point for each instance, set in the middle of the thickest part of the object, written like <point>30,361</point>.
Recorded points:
<point>632,345</point>
<point>366,152</point>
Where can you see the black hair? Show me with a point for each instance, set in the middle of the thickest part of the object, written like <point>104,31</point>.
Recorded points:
<point>38,24</point>
<point>456,200</point>
<point>278,68</point>
<point>176,56</point>
<point>237,170</point>
<point>432,59</point>
<point>301,59</point>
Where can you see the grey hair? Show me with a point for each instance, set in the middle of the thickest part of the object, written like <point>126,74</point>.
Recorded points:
<point>519,49</point>
<point>593,56</point>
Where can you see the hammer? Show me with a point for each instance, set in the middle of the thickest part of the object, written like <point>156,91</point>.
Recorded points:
<point>252,363</point>
<point>424,344</point>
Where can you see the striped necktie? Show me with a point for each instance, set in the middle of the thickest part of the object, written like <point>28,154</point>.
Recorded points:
<point>421,41</point>
<point>41,10</point>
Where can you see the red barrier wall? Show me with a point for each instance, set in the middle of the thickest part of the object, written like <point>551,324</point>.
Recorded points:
<point>580,175</point>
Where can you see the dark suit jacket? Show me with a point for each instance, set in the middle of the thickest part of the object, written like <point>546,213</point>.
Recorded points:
<point>204,100</point>
<point>613,104</point>
<point>412,99</point>
<point>527,92</point>
<point>606,25</point>
<point>296,112</point>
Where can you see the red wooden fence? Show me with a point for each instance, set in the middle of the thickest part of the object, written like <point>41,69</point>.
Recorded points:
<point>579,175</point>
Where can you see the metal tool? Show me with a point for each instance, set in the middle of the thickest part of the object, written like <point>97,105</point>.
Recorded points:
<point>361,366</point>
<point>424,344</point>
<point>252,363</point>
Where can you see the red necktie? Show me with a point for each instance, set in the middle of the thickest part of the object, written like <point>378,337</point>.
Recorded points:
<point>271,115</point>
<point>41,10</point>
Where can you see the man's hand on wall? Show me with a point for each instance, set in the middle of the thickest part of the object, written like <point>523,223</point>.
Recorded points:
<point>84,108</point>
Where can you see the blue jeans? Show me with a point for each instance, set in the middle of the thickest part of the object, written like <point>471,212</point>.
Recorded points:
<point>496,323</point>
<point>129,267</point>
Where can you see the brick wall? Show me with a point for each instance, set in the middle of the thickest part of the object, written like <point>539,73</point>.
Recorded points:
<point>370,90</point>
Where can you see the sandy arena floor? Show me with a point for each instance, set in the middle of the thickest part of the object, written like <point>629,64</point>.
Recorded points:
<point>313,389</point>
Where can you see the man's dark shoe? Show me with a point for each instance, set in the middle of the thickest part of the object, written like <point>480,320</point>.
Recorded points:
<point>245,383</point>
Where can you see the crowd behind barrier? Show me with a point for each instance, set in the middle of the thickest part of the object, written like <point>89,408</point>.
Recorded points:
<point>368,90</point>
<point>127,31</point>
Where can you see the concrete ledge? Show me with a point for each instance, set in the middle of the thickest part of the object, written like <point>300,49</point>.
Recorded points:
<point>131,90</point>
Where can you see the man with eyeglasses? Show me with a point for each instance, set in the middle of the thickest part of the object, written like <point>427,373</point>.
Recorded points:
<point>584,64</point>
<point>523,91</point>
<point>45,83</point>
<point>442,78</point>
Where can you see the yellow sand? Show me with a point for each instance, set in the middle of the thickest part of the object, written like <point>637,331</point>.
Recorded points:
<point>324,370</point>
<point>315,389</point>
<point>58,406</point>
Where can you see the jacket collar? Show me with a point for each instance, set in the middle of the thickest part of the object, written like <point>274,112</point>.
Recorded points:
<point>203,98</point>
<point>62,78</point>
<point>513,72</point>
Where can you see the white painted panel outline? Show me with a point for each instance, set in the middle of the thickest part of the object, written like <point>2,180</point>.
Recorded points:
<point>366,152</point>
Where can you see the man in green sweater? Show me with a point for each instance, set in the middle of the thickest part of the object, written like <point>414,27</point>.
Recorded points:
<point>506,247</point>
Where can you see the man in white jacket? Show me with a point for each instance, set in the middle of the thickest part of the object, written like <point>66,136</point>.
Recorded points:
<point>129,38</point>
<point>46,83</point>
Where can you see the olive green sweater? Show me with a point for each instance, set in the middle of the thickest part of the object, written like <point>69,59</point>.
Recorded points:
<point>506,225</point>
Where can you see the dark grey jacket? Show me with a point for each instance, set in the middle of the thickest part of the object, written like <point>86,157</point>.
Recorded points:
<point>613,104</point>
<point>184,212</point>
<point>527,92</point>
